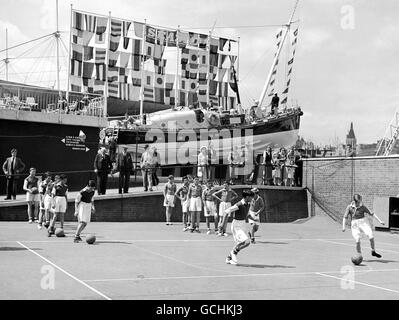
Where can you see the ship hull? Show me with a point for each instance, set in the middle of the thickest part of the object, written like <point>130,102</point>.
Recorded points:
<point>49,142</point>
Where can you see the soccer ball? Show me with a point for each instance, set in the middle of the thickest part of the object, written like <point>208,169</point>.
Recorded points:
<point>356,260</point>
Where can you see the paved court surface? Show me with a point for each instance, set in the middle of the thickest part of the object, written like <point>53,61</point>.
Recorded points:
<point>304,260</point>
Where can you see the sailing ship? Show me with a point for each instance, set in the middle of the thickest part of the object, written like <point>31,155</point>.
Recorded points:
<point>145,84</point>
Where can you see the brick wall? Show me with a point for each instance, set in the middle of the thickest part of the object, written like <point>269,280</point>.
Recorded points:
<point>282,205</point>
<point>332,182</point>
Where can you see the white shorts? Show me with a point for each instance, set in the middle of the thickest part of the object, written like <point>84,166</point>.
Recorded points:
<point>84,212</point>
<point>359,227</point>
<point>239,230</point>
<point>223,207</point>
<point>169,201</point>
<point>32,197</point>
<point>60,204</point>
<point>210,209</point>
<point>252,218</point>
<point>185,206</point>
<point>47,202</point>
<point>196,204</point>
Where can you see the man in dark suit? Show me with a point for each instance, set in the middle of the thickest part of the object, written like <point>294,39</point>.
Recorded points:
<point>12,167</point>
<point>275,102</point>
<point>124,164</point>
<point>102,167</point>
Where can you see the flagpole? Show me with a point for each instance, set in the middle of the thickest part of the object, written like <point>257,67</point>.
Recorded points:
<point>177,96</point>
<point>7,61</point>
<point>287,27</point>
<point>208,98</point>
<point>142,72</point>
<point>69,56</point>
<point>57,36</point>
<point>108,39</point>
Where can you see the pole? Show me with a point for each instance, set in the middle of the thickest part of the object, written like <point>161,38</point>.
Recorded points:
<point>69,56</point>
<point>57,37</point>
<point>287,27</point>
<point>108,39</point>
<point>177,96</point>
<point>208,99</point>
<point>7,61</point>
<point>142,72</point>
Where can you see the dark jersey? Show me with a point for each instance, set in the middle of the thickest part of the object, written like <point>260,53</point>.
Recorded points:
<point>87,196</point>
<point>240,210</point>
<point>357,212</point>
<point>60,189</point>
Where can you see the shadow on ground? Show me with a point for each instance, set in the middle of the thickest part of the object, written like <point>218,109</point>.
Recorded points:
<point>17,249</point>
<point>260,266</point>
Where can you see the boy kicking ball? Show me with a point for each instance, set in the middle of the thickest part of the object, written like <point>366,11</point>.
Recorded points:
<point>239,226</point>
<point>84,207</point>
<point>359,223</point>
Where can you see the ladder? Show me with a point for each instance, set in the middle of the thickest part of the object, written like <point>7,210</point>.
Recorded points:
<point>387,143</point>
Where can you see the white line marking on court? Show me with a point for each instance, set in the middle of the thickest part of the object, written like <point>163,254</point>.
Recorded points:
<point>237,275</point>
<point>67,273</point>
<point>350,245</point>
<point>357,282</point>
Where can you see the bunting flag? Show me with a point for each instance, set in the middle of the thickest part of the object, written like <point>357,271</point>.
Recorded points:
<point>100,38</point>
<point>289,71</point>
<point>138,29</point>
<point>222,74</point>
<point>159,81</point>
<point>296,33</point>
<point>77,21</point>
<point>213,100</point>
<point>124,58</point>
<point>116,28</point>
<point>88,68</point>
<point>123,75</point>
<point>193,39</point>
<point>150,34</point>
<point>271,93</point>
<point>203,41</point>
<point>158,51</point>
<point>169,97</point>
<point>149,49</point>
<point>149,78</point>
<point>183,39</point>
<point>159,66</point>
<point>193,56</point>
<point>161,37</point>
<point>290,66</point>
<point>214,45</point>
<point>114,42</point>
<point>77,35</point>
<point>76,83</point>
<point>99,87</point>
<point>222,43</point>
<point>100,55</point>
<point>285,91</point>
<point>136,62</point>
<point>136,78</point>
<point>134,93</point>
<point>213,86</point>
<point>291,61</point>
<point>113,74</point>
<point>102,24</point>
<point>77,52</point>
<point>213,71</point>
<point>137,47</point>
<point>203,72</point>
<point>76,68</point>
<point>223,89</point>
<point>182,97</point>
<point>214,59</point>
<point>126,42</point>
<point>222,59</point>
<point>171,38</point>
<point>113,89</point>
<point>279,34</point>
<point>203,58</point>
<point>88,85</point>
<point>284,101</point>
<point>124,91</point>
<point>169,81</point>
<point>125,28</point>
<point>88,53</point>
<point>159,95</point>
<point>90,23</point>
<point>113,58</point>
<point>100,72</point>
<point>148,94</point>
<point>185,55</point>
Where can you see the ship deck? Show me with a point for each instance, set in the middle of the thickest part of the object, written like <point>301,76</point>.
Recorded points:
<point>309,259</point>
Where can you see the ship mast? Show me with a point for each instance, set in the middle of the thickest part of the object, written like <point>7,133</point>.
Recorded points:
<point>57,35</point>
<point>287,28</point>
<point>7,61</point>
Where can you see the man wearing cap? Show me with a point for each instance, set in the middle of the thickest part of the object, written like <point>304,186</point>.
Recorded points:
<point>102,167</point>
<point>257,205</point>
<point>124,165</point>
<point>274,103</point>
<point>12,167</point>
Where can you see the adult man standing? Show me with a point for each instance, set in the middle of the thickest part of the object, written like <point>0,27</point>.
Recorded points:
<point>145,168</point>
<point>275,102</point>
<point>102,167</point>
<point>124,164</point>
<point>12,167</point>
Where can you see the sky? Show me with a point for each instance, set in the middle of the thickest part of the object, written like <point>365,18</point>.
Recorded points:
<point>346,66</point>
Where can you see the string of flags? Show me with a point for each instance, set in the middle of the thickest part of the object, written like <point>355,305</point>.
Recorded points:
<point>117,53</point>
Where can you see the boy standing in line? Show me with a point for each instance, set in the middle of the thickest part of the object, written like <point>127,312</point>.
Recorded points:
<point>31,186</point>
<point>194,194</point>
<point>169,198</point>
<point>227,196</point>
<point>210,206</point>
<point>60,193</point>
<point>181,194</point>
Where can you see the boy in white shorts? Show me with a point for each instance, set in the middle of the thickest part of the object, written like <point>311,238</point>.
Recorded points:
<point>46,200</point>
<point>239,226</point>
<point>227,195</point>
<point>210,206</point>
<point>169,199</point>
<point>31,186</point>
<point>60,193</point>
<point>195,194</point>
<point>256,207</point>
<point>84,208</point>
<point>359,223</point>
<point>181,194</point>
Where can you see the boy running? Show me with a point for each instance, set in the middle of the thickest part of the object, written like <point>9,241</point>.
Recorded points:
<point>169,198</point>
<point>194,194</point>
<point>60,193</point>
<point>210,206</point>
<point>31,186</point>
<point>239,225</point>
<point>227,196</point>
<point>359,223</point>
<point>181,194</point>
<point>84,208</point>
<point>46,200</point>
<point>256,207</point>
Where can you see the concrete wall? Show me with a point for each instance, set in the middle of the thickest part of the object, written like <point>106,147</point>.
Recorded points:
<point>282,205</point>
<point>333,181</point>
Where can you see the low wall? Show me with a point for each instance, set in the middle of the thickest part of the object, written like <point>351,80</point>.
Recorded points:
<point>333,181</point>
<point>282,205</point>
